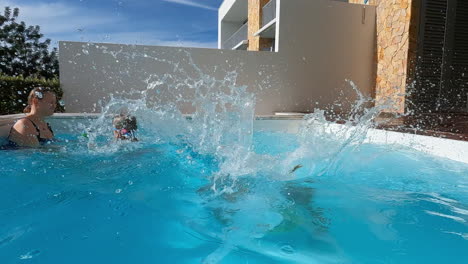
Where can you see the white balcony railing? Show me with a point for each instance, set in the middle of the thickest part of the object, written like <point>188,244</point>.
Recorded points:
<point>268,12</point>
<point>240,35</point>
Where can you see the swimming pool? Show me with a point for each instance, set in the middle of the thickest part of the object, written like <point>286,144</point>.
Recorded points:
<point>163,200</point>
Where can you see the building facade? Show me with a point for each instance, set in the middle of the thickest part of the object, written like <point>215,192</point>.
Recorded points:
<point>421,47</point>
<point>248,25</point>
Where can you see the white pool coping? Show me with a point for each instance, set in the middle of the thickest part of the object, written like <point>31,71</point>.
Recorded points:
<point>456,150</point>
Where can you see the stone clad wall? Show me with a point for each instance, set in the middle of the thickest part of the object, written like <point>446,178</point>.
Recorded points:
<point>393,27</point>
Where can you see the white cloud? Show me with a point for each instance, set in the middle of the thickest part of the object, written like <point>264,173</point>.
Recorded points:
<point>56,18</point>
<point>139,38</point>
<point>192,3</point>
<point>61,21</point>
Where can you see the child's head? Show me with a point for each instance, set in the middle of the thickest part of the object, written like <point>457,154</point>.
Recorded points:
<point>125,127</point>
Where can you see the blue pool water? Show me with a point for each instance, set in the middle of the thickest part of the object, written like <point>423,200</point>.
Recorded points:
<point>158,202</point>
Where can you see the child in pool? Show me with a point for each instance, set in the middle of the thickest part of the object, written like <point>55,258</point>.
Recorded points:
<point>125,127</point>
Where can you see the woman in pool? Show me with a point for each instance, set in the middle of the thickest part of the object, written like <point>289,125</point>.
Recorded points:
<point>125,127</point>
<point>32,130</point>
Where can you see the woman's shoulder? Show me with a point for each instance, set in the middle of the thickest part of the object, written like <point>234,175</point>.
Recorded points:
<point>23,125</point>
<point>22,122</point>
<point>23,134</point>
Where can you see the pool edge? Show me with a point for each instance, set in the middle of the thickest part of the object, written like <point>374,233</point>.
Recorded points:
<point>452,149</point>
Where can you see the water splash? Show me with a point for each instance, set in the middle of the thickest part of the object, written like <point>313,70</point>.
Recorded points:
<point>221,126</point>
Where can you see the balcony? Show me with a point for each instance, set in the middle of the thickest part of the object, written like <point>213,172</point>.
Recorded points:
<point>238,40</point>
<point>268,12</point>
<point>268,29</point>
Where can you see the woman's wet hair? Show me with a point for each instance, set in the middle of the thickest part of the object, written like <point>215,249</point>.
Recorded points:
<point>36,93</point>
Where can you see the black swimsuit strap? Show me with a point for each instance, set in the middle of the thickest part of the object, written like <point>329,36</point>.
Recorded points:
<point>50,128</point>
<point>39,131</point>
<point>35,126</point>
<point>41,140</point>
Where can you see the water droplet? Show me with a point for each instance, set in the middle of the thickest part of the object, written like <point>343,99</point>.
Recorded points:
<point>130,183</point>
<point>118,191</point>
<point>19,92</point>
<point>30,254</point>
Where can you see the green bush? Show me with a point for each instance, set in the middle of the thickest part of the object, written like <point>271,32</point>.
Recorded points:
<point>14,92</point>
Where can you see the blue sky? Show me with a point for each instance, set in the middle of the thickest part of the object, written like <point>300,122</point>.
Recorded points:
<point>190,23</point>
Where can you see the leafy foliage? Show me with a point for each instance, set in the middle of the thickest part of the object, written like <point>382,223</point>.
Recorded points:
<point>23,52</point>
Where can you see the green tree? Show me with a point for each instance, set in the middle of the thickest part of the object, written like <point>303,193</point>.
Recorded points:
<point>23,51</point>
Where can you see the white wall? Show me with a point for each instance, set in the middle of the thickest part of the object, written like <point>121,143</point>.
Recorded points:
<point>332,39</point>
<point>322,43</point>
<point>225,7</point>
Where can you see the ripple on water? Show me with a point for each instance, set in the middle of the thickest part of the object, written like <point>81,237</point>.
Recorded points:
<point>13,235</point>
<point>287,249</point>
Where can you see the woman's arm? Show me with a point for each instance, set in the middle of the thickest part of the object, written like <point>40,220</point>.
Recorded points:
<point>24,134</point>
